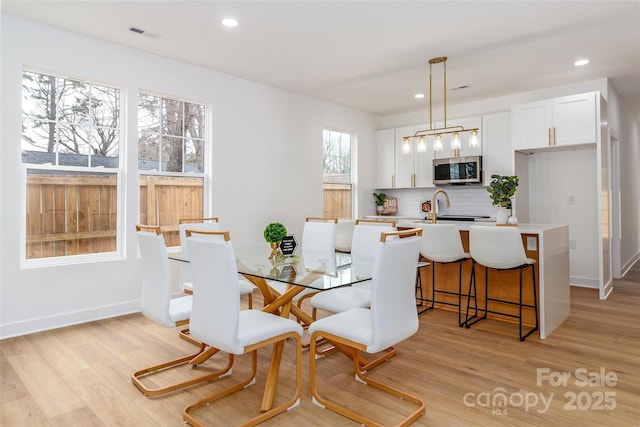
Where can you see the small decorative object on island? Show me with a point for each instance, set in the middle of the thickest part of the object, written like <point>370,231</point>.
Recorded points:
<point>273,234</point>
<point>502,189</point>
<point>380,199</point>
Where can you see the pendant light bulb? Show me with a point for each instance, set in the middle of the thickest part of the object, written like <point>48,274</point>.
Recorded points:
<point>455,142</point>
<point>473,140</point>
<point>437,146</point>
<point>422,145</point>
<point>406,146</point>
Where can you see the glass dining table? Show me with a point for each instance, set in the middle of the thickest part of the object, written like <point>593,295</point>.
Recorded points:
<point>316,270</point>
<point>307,269</point>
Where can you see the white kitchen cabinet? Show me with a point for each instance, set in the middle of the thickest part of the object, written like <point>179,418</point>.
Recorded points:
<point>559,122</point>
<point>385,158</point>
<point>497,152</point>
<point>413,169</point>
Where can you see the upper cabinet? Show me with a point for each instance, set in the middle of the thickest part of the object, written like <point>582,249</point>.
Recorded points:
<point>565,121</point>
<point>497,153</point>
<point>396,169</point>
<point>413,169</point>
<point>385,158</point>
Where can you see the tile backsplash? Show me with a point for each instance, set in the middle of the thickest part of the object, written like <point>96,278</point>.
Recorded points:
<point>464,200</point>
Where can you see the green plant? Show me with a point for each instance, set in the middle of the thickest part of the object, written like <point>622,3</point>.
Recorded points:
<point>380,198</point>
<point>502,189</point>
<point>274,232</point>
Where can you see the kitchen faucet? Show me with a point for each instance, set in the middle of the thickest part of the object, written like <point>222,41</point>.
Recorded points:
<point>433,203</point>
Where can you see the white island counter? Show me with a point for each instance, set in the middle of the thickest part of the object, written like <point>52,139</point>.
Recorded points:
<point>549,245</point>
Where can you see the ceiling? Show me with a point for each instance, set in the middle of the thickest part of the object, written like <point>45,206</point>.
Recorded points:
<point>372,55</point>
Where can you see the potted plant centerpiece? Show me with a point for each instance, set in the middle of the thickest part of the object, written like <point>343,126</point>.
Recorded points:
<point>380,199</point>
<point>501,191</point>
<point>274,233</point>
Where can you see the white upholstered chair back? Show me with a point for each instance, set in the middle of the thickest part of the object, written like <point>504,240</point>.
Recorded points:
<point>442,243</point>
<point>366,237</point>
<point>216,295</point>
<point>156,278</point>
<point>344,234</point>
<point>205,224</point>
<point>393,305</point>
<point>319,235</point>
<point>497,247</point>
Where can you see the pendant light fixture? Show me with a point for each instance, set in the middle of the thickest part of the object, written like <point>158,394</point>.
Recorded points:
<point>421,135</point>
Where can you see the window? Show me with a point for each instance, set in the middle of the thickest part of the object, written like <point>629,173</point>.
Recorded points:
<point>171,153</point>
<point>70,147</point>
<point>337,182</point>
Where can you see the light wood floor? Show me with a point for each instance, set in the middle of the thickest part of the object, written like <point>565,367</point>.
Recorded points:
<point>80,376</point>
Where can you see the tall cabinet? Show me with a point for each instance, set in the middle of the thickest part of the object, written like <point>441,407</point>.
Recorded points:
<point>562,147</point>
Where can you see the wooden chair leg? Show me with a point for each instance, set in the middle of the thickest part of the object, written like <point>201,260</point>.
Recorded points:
<point>187,413</point>
<point>148,391</point>
<point>355,350</point>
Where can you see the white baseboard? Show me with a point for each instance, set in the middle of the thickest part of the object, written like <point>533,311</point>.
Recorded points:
<point>584,282</point>
<point>627,266</point>
<point>39,324</point>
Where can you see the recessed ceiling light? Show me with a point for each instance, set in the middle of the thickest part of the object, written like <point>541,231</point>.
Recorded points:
<point>581,62</point>
<point>418,95</point>
<point>230,22</point>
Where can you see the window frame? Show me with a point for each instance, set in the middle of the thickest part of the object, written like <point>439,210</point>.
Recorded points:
<point>353,169</point>
<point>118,254</point>
<point>205,175</point>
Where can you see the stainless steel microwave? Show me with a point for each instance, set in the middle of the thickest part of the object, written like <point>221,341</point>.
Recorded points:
<point>457,170</point>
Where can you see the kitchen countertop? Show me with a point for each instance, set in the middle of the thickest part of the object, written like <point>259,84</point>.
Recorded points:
<point>464,225</point>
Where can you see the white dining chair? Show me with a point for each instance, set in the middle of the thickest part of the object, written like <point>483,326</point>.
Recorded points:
<point>441,245</point>
<point>500,249</point>
<point>217,320</point>
<point>206,224</point>
<point>365,242</point>
<point>318,234</point>
<point>156,304</point>
<point>391,319</point>
<point>344,235</point>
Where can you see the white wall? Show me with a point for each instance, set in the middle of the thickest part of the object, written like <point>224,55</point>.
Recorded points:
<point>626,127</point>
<point>554,177</point>
<point>266,157</point>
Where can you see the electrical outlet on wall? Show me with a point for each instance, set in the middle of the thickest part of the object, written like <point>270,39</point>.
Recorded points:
<point>572,200</point>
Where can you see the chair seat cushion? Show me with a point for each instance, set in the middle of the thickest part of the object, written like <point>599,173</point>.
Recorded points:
<point>180,308</point>
<point>342,299</point>
<point>354,325</point>
<point>245,286</point>
<point>255,326</point>
<point>444,258</point>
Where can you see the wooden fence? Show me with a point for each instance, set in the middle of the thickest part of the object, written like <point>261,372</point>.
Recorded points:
<point>337,200</point>
<point>77,214</point>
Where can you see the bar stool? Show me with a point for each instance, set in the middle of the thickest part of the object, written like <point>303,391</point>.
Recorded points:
<point>441,244</point>
<point>499,248</point>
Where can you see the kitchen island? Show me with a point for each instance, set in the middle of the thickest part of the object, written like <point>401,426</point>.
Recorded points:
<point>547,244</point>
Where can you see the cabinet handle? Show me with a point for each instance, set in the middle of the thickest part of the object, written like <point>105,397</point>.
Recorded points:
<point>549,138</point>
<point>555,136</point>
<point>393,181</point>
